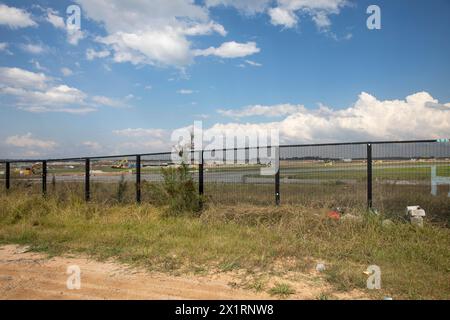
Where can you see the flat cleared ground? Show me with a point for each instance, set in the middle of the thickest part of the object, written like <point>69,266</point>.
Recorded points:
<point>28,275</point>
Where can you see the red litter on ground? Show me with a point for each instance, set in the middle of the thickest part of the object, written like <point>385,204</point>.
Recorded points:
<point>334,215</point>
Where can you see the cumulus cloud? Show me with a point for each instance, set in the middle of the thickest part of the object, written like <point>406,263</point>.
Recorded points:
<point>4,48</point>
<point>418,116</point>
<point>66,71</point>
<point>15,18</point>
<point>33,48</point>
<point>166,47</point>
<point>286,12</point>
<point>73,35</point>
<point>28,141</point>
<point>20,78</point>
<point>230,49</point>
<point>265,111</point>
<point>36,92</point>
<point>151,32</point>
<point>91,54</point>
<point>283,17</point>
<point>54,19</point>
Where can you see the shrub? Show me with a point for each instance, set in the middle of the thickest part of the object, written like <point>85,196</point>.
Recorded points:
<point>121,189</point>
<point>177,190</point>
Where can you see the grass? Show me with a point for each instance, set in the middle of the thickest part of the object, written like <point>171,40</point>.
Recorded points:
<point>282,290</point>
<point>414,262</point>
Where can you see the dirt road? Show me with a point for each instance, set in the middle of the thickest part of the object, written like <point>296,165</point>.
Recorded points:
<point>28,275</point>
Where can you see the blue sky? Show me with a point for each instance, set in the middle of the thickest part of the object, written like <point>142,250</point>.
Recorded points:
<point>309,68</point>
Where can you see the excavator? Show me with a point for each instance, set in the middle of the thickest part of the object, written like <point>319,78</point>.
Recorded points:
<point>123,164</point>
<point>28,171</point>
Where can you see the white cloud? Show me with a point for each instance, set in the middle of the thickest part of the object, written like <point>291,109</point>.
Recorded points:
<point>66,71</point>
<point>205,29</point>
<point>283,17</point>
<point>248,6</point>
<point>253,63</point>
<point>286,12</point>
<point>4,48</point>
<point>19,78</point>
<point>33,48</point>
<point>185,91</point>
<point>91,54</point>
<point>91,144</point>
<point>55,19</point>
<point>154,32</point>
<point>73,35</point>
<point>27,141</point>
<point>37,65</point>
<point>265,111</point>
<point>166,47</point>
<point>35,92</point>
<point>140,132</point>
<point>15,18</point>
<point>230,49</point>
<point>109,102</point>
<point>418,116</point>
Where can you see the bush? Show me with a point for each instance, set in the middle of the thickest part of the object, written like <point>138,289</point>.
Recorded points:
<point>177,190</point>
<point>121,189</point>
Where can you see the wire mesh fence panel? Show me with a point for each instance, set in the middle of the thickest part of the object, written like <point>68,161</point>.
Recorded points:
<point>112,180</point>
<point>324,176</point>
<point>2,177</point>
<point>234,177</point>
<point>65,180</point>
<point>407,174</point>
<point>154,187</point>
<point>26,177</point>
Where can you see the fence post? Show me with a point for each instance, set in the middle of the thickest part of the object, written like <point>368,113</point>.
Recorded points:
<point>44,178</point>
<point>277,175</point>
<point>87,189</point>
<point>369,175</point>
<point>7,175</point>
<point>138,179</point>
<point>200,178</point>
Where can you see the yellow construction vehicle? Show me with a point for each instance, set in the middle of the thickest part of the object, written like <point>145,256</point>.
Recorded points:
<point>122,164</point>
<point>28,171</point>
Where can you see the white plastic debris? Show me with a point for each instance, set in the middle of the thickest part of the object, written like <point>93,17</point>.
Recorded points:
<point>320,267</point>
<point>415,211</point>
<point>415,215</point>
<point>417,221</point>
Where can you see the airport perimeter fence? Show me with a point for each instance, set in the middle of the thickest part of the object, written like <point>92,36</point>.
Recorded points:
<point>386,176</point>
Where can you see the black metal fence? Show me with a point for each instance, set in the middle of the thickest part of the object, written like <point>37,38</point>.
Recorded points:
<point>382,175</point>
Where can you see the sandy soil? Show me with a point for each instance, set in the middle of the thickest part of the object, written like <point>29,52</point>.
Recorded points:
<point>28,275</point>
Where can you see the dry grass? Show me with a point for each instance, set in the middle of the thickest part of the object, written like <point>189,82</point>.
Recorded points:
<point>414,262</point>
